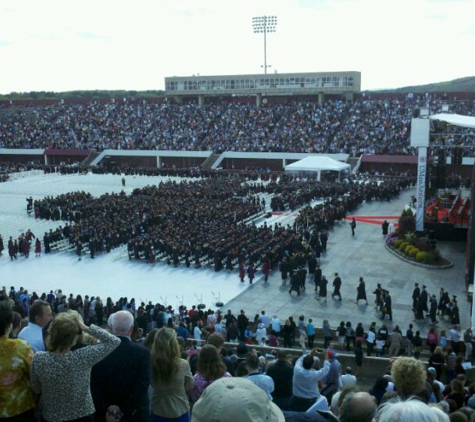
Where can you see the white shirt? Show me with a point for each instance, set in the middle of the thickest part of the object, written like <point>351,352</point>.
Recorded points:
<point>33,335</point>
<point>211,319</point>
<point>347,379</point>
<point>92,308</point>
<point>276,324</point>
<point>265,320</point>
<point>260,334</point>
<point>197,333</point>
<point>454,335</point>
<point>305,381</point>
<point>440,385</point>
<point>264,382</point>
<point>390,387</point>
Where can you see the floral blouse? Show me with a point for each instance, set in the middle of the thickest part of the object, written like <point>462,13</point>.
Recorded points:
<point>16,396</point>
<point>200,385</point>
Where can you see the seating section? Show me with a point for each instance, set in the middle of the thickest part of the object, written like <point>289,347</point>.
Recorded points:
<point>364,126</point>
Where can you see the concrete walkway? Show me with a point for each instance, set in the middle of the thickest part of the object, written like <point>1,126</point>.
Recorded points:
<point>363,255</point>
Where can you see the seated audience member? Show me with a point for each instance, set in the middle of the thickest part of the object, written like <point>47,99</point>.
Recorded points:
<point>61,375</point>
<point>17,401</point>
<point>210,368</point>
<point>235,400</point>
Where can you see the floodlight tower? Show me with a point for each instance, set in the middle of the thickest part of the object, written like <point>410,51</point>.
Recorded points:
<point>264,25</point>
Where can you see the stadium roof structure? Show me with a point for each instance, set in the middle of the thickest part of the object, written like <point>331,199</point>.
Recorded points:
<point>316,164</point>
<point>455,119</point>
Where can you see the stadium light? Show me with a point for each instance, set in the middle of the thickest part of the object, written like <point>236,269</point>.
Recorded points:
<point>264,25</point>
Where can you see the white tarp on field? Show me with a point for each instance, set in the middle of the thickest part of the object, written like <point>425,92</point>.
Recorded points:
<point>455,119</point>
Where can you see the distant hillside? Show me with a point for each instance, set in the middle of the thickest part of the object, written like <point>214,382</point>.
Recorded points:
<point>466,84</point>
<point>75,95</point>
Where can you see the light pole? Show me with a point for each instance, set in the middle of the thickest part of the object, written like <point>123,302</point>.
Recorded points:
<point>264,25</point>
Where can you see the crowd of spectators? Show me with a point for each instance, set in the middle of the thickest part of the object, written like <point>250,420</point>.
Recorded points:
<point>367,125</point>
<point>7,168</point>
<point>182,355</point>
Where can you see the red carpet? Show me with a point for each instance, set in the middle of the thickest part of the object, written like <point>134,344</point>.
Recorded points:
<point>371,219</point>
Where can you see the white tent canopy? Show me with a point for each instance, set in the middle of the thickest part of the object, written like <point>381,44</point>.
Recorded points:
<point>455,119</point>
<point>316,164</point>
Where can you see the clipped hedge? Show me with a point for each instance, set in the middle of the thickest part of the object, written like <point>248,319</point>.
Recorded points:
<point>415,249</point>
<point>398,243</point>
<point>414,252</point>
<point>421,256</point>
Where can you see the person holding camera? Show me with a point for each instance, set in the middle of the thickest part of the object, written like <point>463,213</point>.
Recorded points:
<point>62,374</point>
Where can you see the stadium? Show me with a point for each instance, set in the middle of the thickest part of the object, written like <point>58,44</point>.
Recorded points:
<point>184,200</point>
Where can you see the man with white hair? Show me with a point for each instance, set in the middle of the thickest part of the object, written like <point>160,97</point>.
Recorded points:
<point>123,377</point>
<point>408,411</point>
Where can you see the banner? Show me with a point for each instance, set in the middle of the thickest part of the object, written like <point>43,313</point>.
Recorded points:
<point>421,188</point>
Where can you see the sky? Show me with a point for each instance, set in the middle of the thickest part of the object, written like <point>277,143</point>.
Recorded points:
<point>57,45</point>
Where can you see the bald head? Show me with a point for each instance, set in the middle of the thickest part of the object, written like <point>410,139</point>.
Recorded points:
<point>358,407</point>
<point>122,323</point>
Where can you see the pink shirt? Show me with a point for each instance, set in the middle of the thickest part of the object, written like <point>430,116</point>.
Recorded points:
<point>200,385</point>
